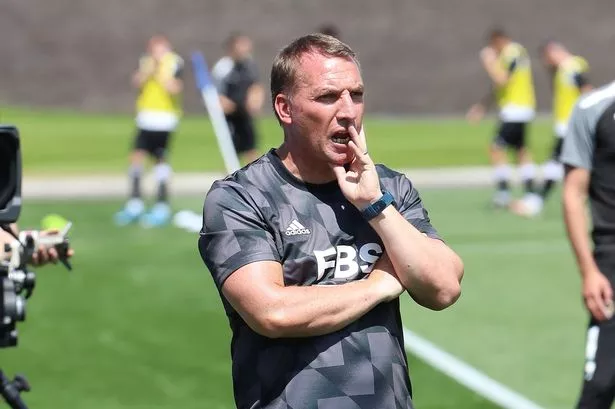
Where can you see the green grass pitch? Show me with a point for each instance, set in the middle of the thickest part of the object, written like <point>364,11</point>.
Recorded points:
<point>63,142</point>
<point>139,324</point>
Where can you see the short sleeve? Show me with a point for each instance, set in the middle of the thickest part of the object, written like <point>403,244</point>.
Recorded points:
<point>411,207</point>
<point>220,72</point>
<point>578,148</point>
<point>234,232</point>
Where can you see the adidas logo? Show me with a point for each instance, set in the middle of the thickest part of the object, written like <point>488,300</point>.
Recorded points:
<point>295,228</point>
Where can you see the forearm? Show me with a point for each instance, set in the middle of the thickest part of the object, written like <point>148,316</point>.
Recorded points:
<point>305,311</point>
<point>428,269</point>
<point>577,229</point>
<point>255,99</point>
<point>174,86</point>
<point>228,106</point>
<point>496,74</point>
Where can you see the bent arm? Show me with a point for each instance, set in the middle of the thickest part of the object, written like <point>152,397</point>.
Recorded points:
<point>428,268</point>
<point>257,292</point>
<point>255,98</point>
<point>576,184</point>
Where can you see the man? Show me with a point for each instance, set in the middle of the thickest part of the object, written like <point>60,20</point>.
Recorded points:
<point>310,256</point>
<point>159,79</point>
<point>508,65</point>
<point>241,94</point>
<point>570,80</point>
<point>589,160</point>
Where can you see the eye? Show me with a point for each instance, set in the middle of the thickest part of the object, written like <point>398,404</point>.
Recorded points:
<point>357,96</point>
<point>328,98</point>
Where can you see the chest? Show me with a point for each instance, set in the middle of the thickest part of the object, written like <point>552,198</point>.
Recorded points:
<point>323,240</point>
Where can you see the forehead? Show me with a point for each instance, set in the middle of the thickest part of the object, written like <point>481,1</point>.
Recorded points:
<point>321,71</point>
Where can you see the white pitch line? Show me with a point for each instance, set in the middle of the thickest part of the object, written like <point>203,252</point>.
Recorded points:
<point>465,374</point>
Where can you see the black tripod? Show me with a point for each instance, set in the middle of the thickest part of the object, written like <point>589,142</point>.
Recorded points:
<point>10,390</point>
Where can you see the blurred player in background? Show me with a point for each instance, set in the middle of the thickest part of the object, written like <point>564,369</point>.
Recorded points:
<point>570,80</point>
<point>588,155</point>
<point>330,29</point>
<point>508,65</point>
<point>241,94</point>
<point>159,80</point>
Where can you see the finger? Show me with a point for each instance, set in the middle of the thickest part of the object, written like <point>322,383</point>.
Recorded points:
<point>359,153</point>
<point>607,293</point>
<point>594,309</point>
<point>53,254</point>
<point>356,138</point>
<point>43,255</point>
<point>362,136</point>
<point>70,253</point>
<point>340,173</point>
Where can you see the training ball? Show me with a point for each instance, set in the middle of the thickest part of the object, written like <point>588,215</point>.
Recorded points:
<point>53,222</point>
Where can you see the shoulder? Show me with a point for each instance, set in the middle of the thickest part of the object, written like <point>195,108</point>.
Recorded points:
<point>395,182</point>
<point>243,183</point>
<point>598,99</point>
<point>514,50</point>
<point>223,67</point>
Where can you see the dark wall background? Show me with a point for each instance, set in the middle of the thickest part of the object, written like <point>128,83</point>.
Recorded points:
<point>418,56</point>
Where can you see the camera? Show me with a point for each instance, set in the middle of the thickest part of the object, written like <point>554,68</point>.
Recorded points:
<point>16,281</point>
<point>12,304</point>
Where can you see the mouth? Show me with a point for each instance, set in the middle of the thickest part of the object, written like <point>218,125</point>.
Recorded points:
<point>341,137</point>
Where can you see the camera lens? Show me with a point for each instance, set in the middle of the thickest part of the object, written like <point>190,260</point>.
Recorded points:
<point>13,305</point>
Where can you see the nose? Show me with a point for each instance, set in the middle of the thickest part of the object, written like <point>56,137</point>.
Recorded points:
<point>347,111</point>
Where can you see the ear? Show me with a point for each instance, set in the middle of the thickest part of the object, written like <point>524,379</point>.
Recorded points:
<point>282,106</point>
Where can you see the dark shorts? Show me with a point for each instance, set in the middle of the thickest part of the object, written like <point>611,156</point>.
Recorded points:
<point>153,142</point>
<point>242,133</point>
<point>511,135</point>
<point>598,389</point>
<point>557,148</point>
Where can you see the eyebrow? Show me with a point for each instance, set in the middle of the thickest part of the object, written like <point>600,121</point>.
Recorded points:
<point>326,90</point>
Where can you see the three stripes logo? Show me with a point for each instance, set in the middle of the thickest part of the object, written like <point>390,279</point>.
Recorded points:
<point>295,228</point>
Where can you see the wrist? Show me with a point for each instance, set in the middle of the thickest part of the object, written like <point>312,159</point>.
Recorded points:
<point>364,204</point>
<point>377,206</point>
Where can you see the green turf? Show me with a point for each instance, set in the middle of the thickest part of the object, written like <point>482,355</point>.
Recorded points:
<point>139,324</point>
<point>68,142</point>
<point>520,318</point>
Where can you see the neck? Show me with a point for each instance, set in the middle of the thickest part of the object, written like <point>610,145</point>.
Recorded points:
<point>304,167</point>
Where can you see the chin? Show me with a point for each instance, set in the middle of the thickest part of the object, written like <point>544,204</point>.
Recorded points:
<point>341,159</point>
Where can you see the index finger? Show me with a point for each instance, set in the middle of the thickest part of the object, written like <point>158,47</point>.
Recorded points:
<point>358,137</point>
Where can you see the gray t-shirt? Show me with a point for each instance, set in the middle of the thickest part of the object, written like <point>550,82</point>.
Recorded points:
<point>263,212</point>
<point>590,144</point>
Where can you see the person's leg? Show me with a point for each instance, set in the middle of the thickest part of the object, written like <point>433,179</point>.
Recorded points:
<point>161,211</point>
<point>501,169</point>
<point>134,206</point>
<point>598,390</point>
<point>553,170</point>
<point>527,167</point>
<point>250,153</point>
<point>531,203</point>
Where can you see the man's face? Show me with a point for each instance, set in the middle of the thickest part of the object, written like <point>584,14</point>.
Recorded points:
<point>327,99</point>
<point>242,49</point>
<point>498,44</point>
<point>158,48</point>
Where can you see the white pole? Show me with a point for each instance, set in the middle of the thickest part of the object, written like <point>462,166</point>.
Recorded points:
<point>211,100</point>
